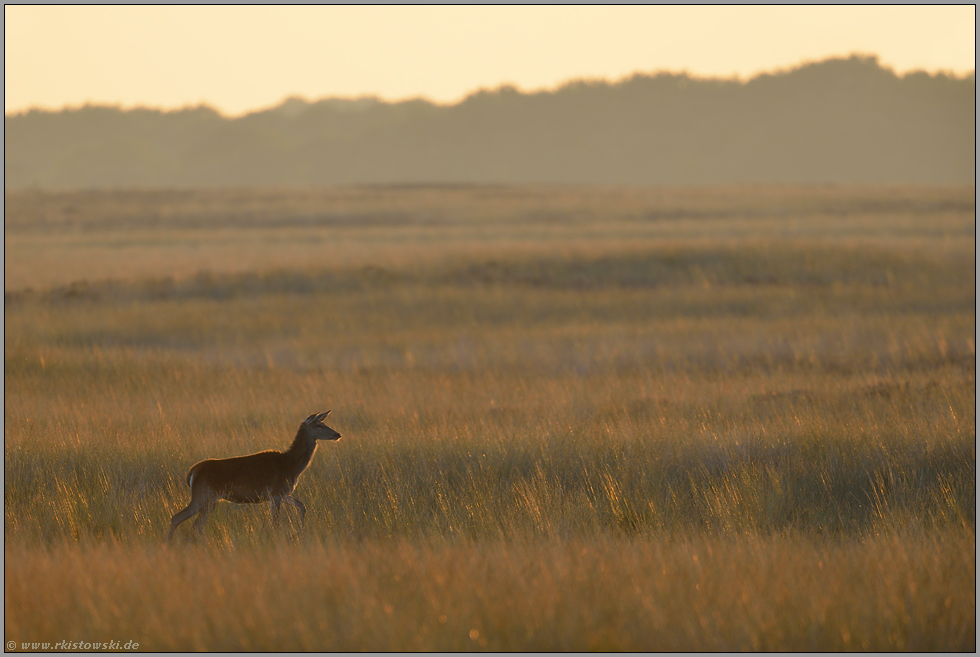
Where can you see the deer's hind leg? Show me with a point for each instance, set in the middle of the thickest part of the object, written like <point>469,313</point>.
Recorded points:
<point>188,512</point>
<point>202,503</point>
<point>207,506</point>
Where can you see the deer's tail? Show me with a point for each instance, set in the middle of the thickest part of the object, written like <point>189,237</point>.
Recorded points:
<point>192,472</point>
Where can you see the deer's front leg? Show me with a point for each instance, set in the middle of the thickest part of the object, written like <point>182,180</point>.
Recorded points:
<point>299,505</point>
<point>276,504</point>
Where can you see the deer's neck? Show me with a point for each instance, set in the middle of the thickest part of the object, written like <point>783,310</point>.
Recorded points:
<point>301,451</point>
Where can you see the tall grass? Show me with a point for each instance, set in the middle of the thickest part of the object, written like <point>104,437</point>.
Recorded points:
<point>664,440</point>
<point>902,591</point>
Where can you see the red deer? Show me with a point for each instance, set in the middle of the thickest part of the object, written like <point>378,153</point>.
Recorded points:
<point>266,476</point>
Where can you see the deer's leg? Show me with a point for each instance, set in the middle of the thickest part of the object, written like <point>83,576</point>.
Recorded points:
<point>275,502</point>
<point>183,515</point>
<point>207,506</point>
<point>289,499</point>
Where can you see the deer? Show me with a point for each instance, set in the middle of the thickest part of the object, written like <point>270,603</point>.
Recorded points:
<point>268,476</point>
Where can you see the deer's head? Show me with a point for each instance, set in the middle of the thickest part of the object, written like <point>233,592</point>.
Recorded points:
<point>318,430</point>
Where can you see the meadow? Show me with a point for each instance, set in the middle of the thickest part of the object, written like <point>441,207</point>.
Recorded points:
<point>576,418</point>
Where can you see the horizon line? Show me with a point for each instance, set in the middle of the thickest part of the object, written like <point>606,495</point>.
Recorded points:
<point>496,89</point>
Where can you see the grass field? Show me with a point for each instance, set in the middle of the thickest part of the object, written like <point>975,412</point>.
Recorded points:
<point>573,418</point>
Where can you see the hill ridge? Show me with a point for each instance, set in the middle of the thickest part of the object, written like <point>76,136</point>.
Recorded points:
<point>840,120</point>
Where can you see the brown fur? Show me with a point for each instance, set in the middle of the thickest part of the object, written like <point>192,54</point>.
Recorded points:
<point>266,476</point>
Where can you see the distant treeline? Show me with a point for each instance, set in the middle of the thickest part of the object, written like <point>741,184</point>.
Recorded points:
<point>837,121</point>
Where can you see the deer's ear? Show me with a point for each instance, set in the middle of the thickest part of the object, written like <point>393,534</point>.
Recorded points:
<point>311,419</point>
<point>322,415</point>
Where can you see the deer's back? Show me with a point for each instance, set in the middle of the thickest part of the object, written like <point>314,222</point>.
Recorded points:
<point>244,479</point>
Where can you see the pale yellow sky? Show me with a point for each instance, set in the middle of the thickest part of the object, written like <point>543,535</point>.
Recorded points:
<point>238,59</point>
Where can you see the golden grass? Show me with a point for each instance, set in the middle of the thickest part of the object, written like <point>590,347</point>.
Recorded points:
<point>573,418</point>
<point>58,239</point>
<point>903,591</point>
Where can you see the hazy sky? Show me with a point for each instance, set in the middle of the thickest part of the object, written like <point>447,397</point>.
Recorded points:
<point>238,59</point>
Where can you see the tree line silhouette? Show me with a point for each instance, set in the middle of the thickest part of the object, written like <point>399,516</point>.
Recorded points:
<point>841,120</point>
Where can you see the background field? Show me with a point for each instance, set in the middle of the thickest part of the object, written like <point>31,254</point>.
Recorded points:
<point>573,418</point>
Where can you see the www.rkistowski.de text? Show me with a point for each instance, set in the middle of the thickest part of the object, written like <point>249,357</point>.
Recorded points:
<point>72,645</point>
